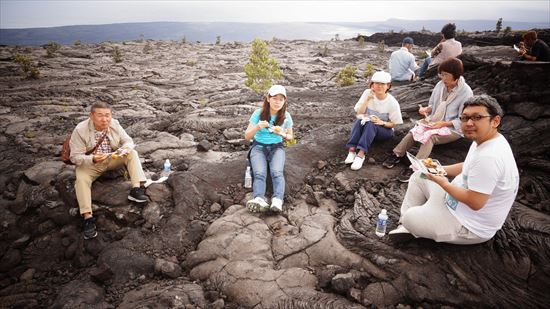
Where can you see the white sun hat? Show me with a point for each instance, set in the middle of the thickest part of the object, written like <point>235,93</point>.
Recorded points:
<point>277,89</point>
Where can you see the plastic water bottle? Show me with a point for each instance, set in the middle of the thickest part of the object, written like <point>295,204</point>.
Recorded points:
<point>381,223</point>
<point>166,168</point>
<point>247,178</point>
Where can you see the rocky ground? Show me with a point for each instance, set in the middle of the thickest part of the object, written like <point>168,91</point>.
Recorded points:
<point>194,245</point>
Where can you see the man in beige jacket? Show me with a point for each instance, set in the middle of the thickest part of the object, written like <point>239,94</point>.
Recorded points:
<point>114,149</point>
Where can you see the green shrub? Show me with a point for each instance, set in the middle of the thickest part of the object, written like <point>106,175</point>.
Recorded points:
<point>260,69</point>
<point>147,48</point>
<point>141,38</point>
<point>27,65</point>
<point>183,40</point>
<point>346,76</point>
<point>507,30</point>
<point>499,25</point>
<point>218,40</point>
<point>324,52</point>
<point>337,37</point>
<point>361,41</point>
<point>77,43</point>
<point>381,46</point>
<point>51,49</point>
<point>191,62</point>
<point>369,70</point>
<point>117,55</point>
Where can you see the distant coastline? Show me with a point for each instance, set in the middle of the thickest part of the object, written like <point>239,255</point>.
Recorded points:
<point>230,31</point>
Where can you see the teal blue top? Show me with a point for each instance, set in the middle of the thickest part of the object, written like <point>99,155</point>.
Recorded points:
<point>264,136</point>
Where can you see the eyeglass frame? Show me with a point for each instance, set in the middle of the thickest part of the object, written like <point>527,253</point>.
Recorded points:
<point>474,118</point>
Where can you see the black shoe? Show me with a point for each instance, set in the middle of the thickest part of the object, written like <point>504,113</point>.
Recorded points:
<point>405,175</point>
<point>137,195</point>
<point>391,161</point>
<point>89,228</point>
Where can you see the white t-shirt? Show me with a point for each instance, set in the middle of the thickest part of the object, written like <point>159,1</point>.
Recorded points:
<point>488,169</point>
<point>387,109</point>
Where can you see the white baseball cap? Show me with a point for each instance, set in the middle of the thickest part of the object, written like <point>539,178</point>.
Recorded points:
<point>381,77</point>
<point>277,89</point>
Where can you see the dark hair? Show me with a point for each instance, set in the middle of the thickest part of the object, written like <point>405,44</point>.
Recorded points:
<point>453,66</point>
<point>387,90</point>
<point>265,114</point>
<point>449,31</point>
<point>100,105</point>
<point>530,35</point>
<point>490,103</point>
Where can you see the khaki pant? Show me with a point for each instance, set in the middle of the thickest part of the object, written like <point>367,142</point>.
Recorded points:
<point>425,149</point>
<point>85,176</point>
<point>424,214</point>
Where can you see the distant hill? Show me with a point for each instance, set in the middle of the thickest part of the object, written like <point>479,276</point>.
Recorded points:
<point>231,31</point>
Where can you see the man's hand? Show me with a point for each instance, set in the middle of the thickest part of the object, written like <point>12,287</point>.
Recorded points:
<point>438,124</point>
<point>438,179</point>
<point>98,158</point>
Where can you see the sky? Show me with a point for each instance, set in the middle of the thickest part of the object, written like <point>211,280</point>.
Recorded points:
<point>46,13</point>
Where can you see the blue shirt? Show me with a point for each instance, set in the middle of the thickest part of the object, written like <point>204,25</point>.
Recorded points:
<point>263,135</point>
<point>402,65</point>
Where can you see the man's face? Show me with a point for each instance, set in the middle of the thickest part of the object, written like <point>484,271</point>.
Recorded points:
<point>479,126</point>
<point>101,117</point>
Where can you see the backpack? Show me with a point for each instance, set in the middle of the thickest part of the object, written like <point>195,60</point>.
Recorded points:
<point>66,149</point>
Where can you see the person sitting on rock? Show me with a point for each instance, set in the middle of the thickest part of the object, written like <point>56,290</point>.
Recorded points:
<point>269,126</point>
<point>474,206</point>
<point>402,64</point>
<point>533,49</point>
<point>447,48</point>
<point>113,148</point>
<point>377,113</point>
<point>442,126</point>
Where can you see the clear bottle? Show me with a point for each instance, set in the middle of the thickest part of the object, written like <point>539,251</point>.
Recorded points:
<point>166,168</point>
<point>381,223</point>
<point>247,178</point>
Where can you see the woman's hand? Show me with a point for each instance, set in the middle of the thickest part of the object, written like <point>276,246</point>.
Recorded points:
<point>377,121</point>
<point>263,124</point>
<point>424,111</point>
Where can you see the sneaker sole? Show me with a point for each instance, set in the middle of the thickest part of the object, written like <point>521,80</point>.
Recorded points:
<point>255,207</point>
<point>131,198</point>
<point>403,180</point>
<point>275,209</point>
<point>388,165</point>
<point>90,237</point>
<point>401,237</point>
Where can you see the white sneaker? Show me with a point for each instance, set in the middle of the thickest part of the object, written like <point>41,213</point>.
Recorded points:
<point>400,234</point>
<point>357,163</point>
<point>257,204</point>
<point>350,157</point>
<point>276,205</point>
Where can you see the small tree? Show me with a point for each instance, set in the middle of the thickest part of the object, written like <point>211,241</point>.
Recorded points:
<point>361,41</point>
<point>117,55</point>
<point>218,40</point>
<point>77,43</point>
<point>183,40</point>
<point>499,25</point>
<point>51,49</point>
<point>324,52</point>
<point>260,69</point>
<point>141,37</point>
<point>369,70</point>
<point>381,46</point>
<point>507,30</point>
<point>346,76</point>
<point>27,65</point>
<point>337,37</point>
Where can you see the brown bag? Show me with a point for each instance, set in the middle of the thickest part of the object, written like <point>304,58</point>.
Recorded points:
<point>66,149</point>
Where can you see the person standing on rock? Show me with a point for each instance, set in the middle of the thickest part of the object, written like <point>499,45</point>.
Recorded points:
<point>269,126</point>
<point>474,206</point>
<point>377,113</point>
<point>447,48</point>
<point>443,125</point>
<point>113,148</point>
<point>402,64</point>
<point>534,49</point>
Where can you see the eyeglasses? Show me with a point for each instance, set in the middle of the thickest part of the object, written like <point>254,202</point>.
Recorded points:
<point>475,118</point>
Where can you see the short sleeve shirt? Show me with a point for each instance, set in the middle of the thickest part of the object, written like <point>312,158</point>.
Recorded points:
<point>264,136</point>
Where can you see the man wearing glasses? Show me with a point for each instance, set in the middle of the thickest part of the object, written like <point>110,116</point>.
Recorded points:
<point>474,206</point>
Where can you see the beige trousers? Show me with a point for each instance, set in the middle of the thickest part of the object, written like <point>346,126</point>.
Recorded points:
<point>425,149</point>
<point>85,176</point>
<point>425,214</point>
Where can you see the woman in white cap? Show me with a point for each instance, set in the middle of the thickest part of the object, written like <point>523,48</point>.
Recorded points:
<point>377,114</point>
<point>269,126</point>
